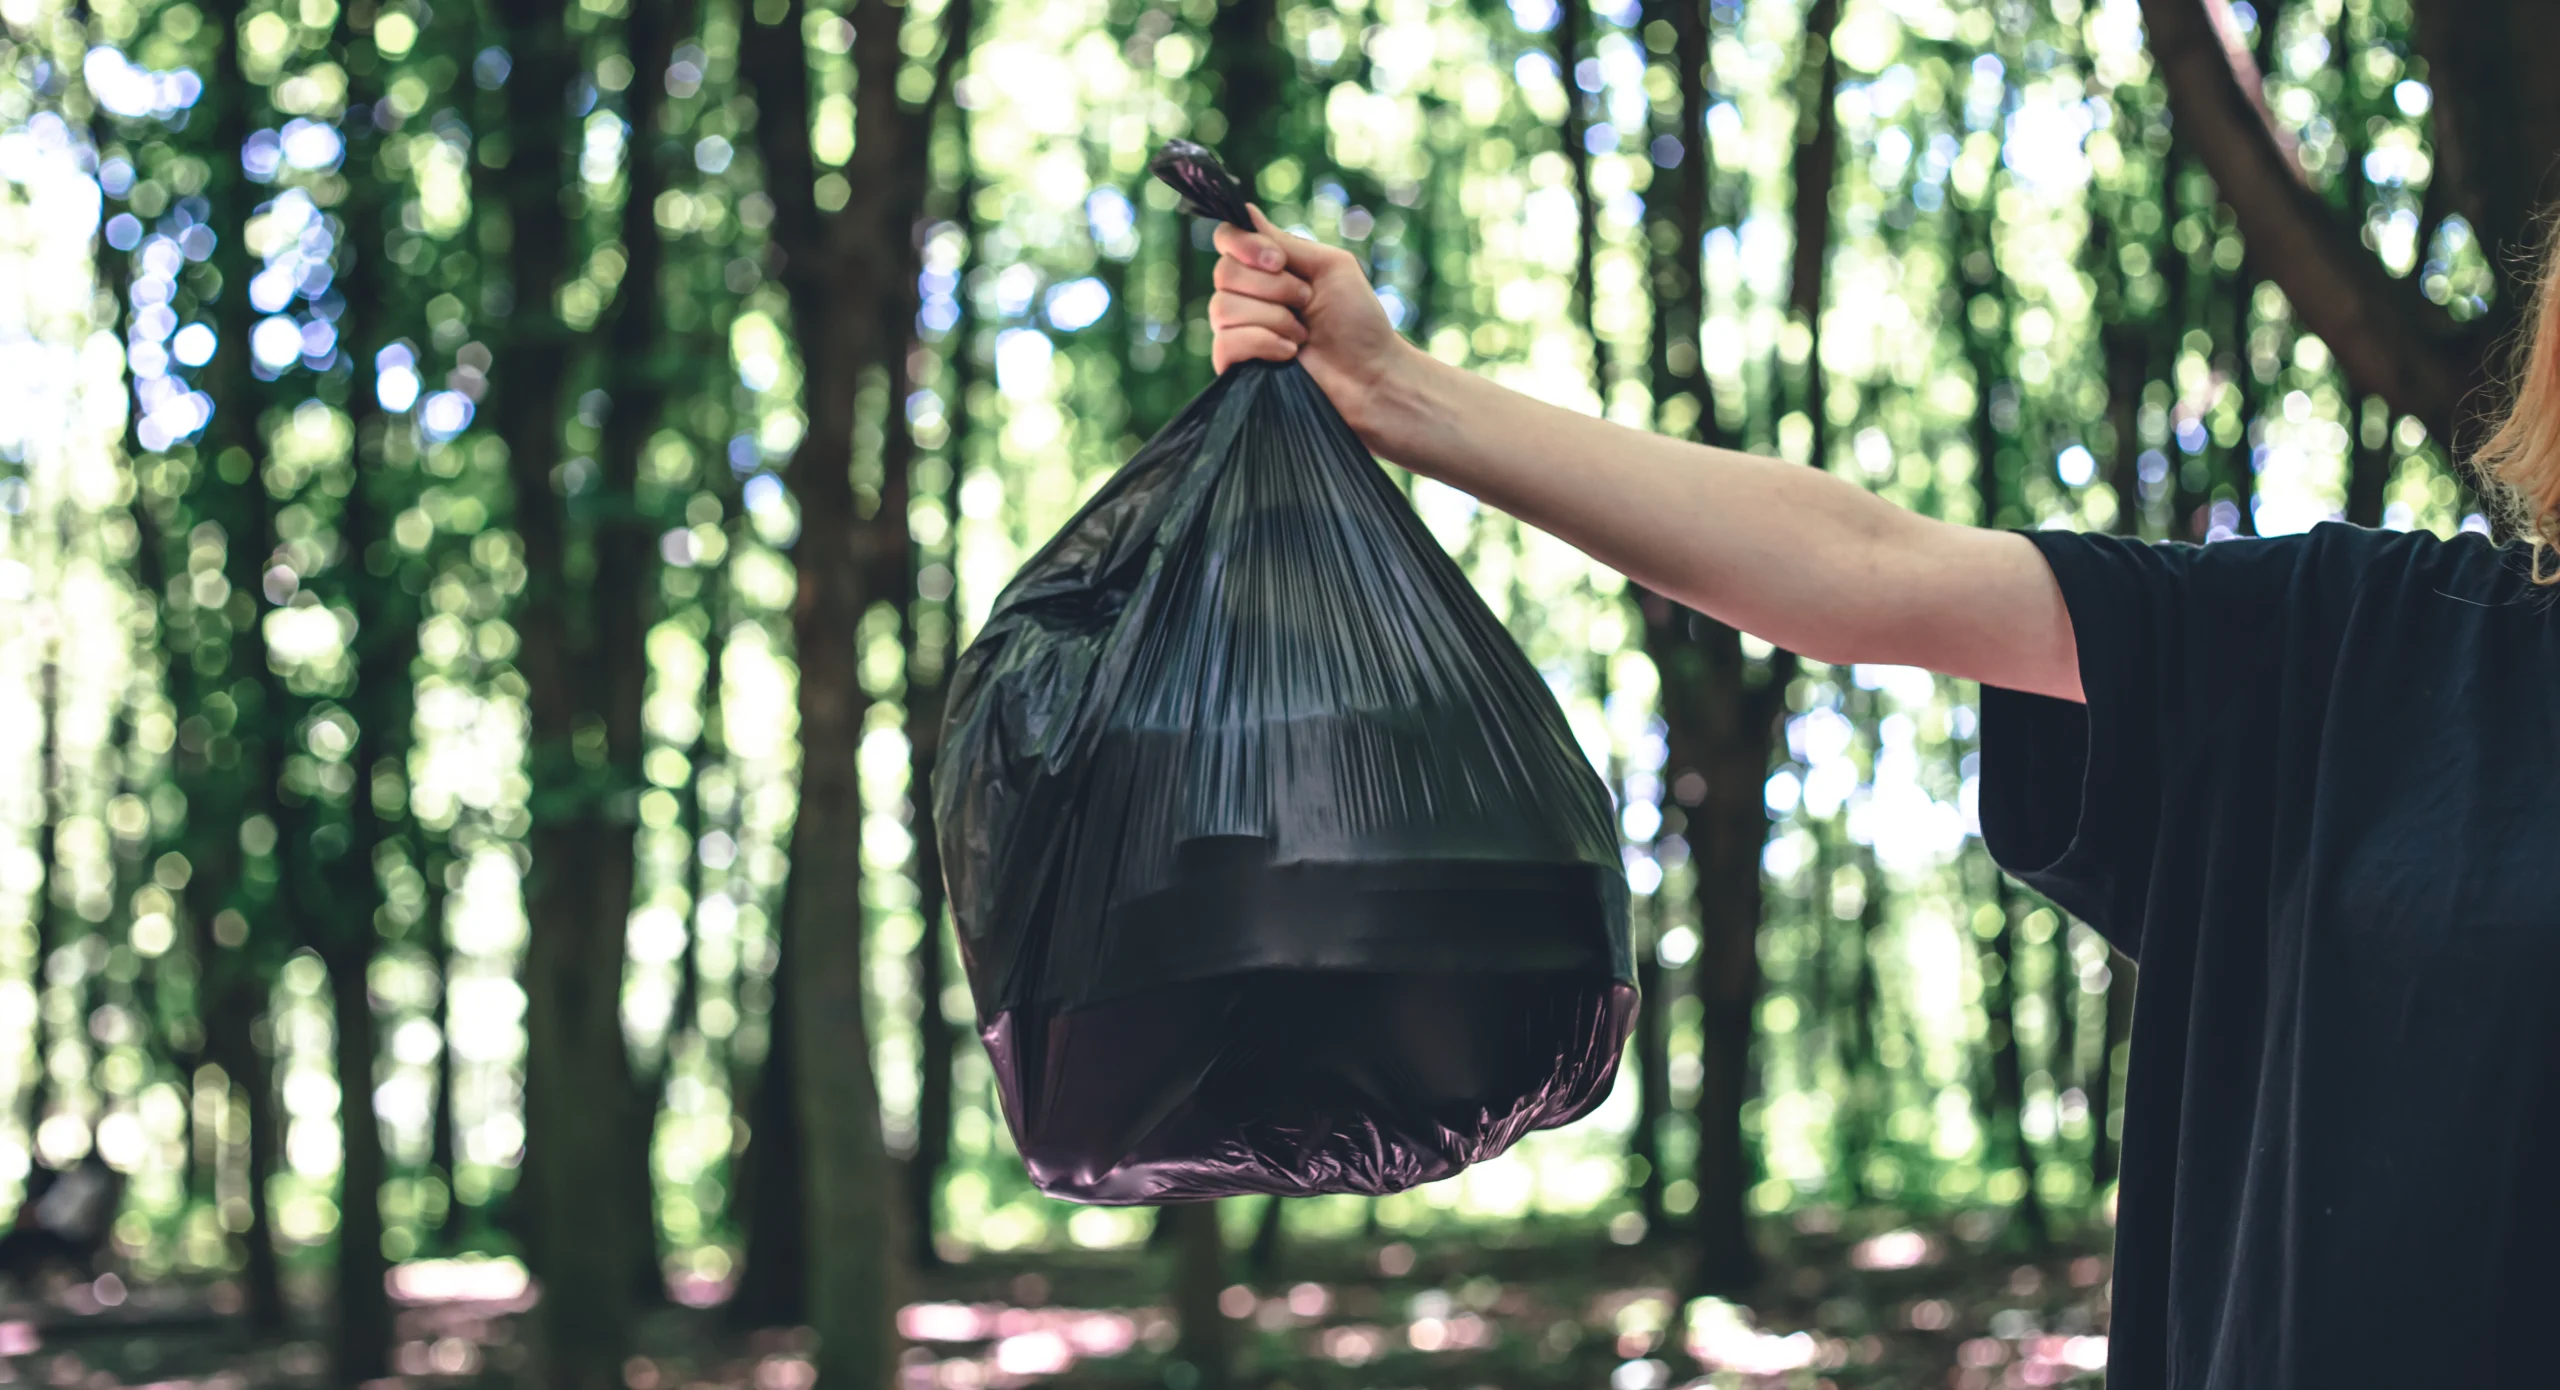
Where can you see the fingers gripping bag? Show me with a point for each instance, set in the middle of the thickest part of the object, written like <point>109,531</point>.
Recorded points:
<point>1275,865</point>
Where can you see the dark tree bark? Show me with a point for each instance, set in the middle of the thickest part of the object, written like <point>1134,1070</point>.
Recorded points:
<point>441,1155</point>
<point>386,647</point>
<point>1653,1080</point>
<point>2369,456</point>
<point>1721,715</point>
<point>1262,1257</point>
<point>1868,1091</point>
<point>236,782</point>
<point>2128,356</point>
<point>1986,350</point>
<point>360,1347</point>
<point>773,1287</point>
<point>2063,1057</point>
<point>2369,461</point>
<point>927,666</point>
<point>48,913</point>
<point>850,278</point>
<point>1676,210</point>
<point>1255,75</point>
<point>640,360</point>
<point>2008,1070</point>
<point>1724,713</point>
<point>1573,25</point>
<point>2240,461</point>
<point>2106,1148</point>
<point>1817,171</point>
<point>2189,497</point>
<point>2494,128</point>
<point>1199,1276</point>
<point>579,1213</point>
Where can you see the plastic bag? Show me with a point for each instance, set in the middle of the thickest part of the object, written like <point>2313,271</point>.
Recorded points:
<point>1276,866</point>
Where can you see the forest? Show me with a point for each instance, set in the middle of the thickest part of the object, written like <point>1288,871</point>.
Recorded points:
<point>491,492</point>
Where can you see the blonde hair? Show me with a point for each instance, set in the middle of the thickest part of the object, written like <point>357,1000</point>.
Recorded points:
<point>2519,466</point>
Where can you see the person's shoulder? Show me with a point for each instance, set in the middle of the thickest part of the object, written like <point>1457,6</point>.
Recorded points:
<point>2467,566</point>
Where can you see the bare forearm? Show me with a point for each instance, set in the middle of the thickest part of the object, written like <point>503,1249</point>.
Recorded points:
<point>1790,554</point>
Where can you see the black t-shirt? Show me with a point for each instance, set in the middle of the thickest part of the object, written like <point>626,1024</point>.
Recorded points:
<point>2315,793</point>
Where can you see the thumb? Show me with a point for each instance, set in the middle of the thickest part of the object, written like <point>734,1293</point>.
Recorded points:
<point>1307,259</point>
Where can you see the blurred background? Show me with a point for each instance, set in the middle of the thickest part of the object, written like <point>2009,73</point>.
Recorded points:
<point>489,494</point>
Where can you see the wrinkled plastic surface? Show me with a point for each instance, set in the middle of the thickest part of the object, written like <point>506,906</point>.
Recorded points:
<point>1276,866</point>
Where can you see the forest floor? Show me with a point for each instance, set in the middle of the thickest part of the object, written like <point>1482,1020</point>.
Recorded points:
<point>1964,1305</point>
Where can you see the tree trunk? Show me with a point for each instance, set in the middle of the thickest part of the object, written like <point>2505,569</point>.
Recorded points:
<point>1870,1095</point>
<point>236,781</point>
<point>2008,1072</point>
<point>386,648</point>
<point>1729,830</point>
<point>927,667</point>
<point>1721,723</point>
<point>1817,170</point>
<point>851,281</point>
<point>441,1155</point>
<point>48,934</point>
<point>1262,1257</point>
<point>576,1215</point>
<point>361,1347</point>
<point>1254,73</point>
<point>256,1087</point>
<point>2492,141</point>
<point>2369,460</point>
<point>773,1287</point>
<point>2128,354</point>
<point>1573,23</point>
<point>2106,1148</point>
<point>639,361</point>
<point>2063,1057</point>
<point>2240,461</point>
<point>1653,1076</point>
<point>1199,1276</point>
<point>2369,457</point>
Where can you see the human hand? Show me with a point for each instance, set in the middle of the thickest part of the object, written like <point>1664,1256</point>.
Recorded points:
<point>1283,298</point>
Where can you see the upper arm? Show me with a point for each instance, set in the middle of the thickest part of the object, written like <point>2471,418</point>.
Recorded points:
<point>1975,603</point>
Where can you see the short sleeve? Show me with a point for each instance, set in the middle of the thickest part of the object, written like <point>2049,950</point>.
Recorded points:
<point>2173,639</point>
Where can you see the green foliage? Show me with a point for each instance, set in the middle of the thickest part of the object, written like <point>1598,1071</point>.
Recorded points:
<point>269,573</point>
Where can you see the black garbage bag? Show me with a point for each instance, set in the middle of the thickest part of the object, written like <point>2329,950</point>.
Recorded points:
<point>1275,864</point>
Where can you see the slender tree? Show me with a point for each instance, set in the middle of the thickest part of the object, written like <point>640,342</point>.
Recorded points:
<point>578,1213</point>
<point>1572,35</point>
<point>1199,1276</point>
<point>383,703</point>
<point>641,361</point>
<point>244,926</point>
<point>850,276</point>
<point>1817,172</point>
<point>2491,145</point>
<point>932,631</point>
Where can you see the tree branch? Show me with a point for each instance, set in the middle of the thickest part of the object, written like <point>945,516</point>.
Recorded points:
<point>2389,339</point>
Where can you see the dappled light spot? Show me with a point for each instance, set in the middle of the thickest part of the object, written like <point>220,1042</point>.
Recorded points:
<point>944,1322</point>
<point>1034,1353</point>
<point>476,1280</point>
<point>1721,1337</point>
<point>1892,1250</point>
<point>1353,1346</point>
